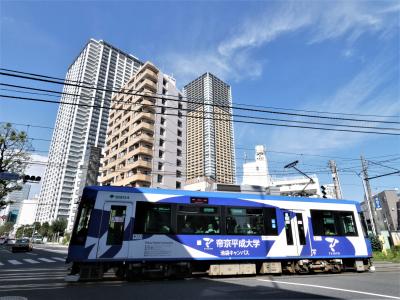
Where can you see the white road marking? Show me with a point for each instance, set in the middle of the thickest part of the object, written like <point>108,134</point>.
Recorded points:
<point>31,261</point>
<point>330,288</point>
<point>30,253</point>
<point>59,258</point>
<point>1,264</point>
<point>14,262</point>
<point>46,259</point>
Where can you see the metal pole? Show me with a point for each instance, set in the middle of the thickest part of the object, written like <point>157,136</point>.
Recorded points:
<point>367,190</point>
<point>369,208</point>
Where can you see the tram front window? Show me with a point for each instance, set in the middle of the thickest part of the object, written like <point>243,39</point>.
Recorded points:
<point>81,226</point>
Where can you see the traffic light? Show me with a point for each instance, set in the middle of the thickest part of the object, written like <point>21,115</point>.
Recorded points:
<point>30,178</point>
<point>323,190</point>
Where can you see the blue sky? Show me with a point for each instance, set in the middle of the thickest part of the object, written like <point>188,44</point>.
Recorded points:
<point>331,56</point>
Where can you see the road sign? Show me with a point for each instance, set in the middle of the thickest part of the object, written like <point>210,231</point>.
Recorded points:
<point>9,176</point>
<point>378,204</point>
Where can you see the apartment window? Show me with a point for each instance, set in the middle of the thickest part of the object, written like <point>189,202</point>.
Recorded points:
<point>178,162</point>
<point>179,142</point>
<point>164,91</point>
<point>161,143</point>
<point>178,185</point>
<point>159,178</point>
<point>162,121</point>
<point>178,174</point>
<point>163,101</point>
<point>160,154</point>
<point>179,152</point>
<point>160,166</point>
<point>179,114</point>
<point>162,131</point>
<point>180,106</point>
<point>163,110</point>
<point>179,132</point>
<point>179,123</point>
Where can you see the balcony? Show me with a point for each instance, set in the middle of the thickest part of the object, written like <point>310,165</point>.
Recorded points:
<point>147,74</point>
<point>142,150</point>
<point>144,115</point>
<point>147,85</point>
<point>143,126</point>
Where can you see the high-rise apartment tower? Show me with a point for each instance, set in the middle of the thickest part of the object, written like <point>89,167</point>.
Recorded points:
<point>80,129</point>
<point>210,139</point>
<point>145,144</point>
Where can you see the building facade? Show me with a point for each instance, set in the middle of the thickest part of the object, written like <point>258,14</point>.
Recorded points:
<point>257,173</point>
<point>11,212</point>
<point>81,126</point>
<point>385,208</point>
<point>210,137</point>
<point>146,136</point>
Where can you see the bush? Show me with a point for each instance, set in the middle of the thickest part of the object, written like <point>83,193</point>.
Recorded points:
<point>375,243</point>
<point>66,238</point>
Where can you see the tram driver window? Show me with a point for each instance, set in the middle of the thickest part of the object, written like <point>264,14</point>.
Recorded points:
<point>152,218</point>
<point>81,227</point>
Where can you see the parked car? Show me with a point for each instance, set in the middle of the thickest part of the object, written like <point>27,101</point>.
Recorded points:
<point>37,239</point>
<point>23,244</point>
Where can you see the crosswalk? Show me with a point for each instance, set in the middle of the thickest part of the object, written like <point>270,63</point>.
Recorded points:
<point>36,260</point>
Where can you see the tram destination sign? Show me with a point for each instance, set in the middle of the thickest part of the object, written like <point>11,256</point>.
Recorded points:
<point>198,200</point>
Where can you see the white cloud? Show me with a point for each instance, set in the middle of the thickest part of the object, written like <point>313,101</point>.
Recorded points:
<point>233,57</point>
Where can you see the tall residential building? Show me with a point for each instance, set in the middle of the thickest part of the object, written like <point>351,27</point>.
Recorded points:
<point>80,129</point>
<point>210,139</point>
<point>146,135</point>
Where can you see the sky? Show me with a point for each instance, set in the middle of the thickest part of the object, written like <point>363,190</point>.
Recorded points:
<point>293,56</point>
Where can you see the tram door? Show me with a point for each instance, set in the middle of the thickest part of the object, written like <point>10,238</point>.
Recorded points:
<point>294,231</point>
<point>114,243</point>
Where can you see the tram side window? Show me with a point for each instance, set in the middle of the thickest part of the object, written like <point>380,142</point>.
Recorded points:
<point>198,220</point>
<point>339,223</point>
<point>82,225</point>
<point>245,221</point>
<point>116,225</point>
<point>152,218</point>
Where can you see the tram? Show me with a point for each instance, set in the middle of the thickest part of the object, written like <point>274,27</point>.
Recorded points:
<point>143,232</point>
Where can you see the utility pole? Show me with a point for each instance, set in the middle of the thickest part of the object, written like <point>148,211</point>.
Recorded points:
<point>368,195</point>
<point>335,178</point>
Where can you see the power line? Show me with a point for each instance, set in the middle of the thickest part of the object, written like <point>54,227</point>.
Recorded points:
<point>204,118</point>
<point>155,95</point>
<point>192,98</point>
<point>189,110</point>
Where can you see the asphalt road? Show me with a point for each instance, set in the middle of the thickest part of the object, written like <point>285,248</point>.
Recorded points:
<point>40,275</point>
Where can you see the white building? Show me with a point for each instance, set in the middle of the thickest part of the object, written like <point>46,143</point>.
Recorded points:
<point>80,129</point>
<point>257,173</point>
<point>27,212</point>
<point>11,211</point>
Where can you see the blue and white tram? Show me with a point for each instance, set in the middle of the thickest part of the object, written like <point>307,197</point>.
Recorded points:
<point>142,231</point>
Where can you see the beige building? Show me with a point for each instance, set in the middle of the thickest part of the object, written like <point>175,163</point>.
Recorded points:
<point>210,142</point>
<point>145,145</point>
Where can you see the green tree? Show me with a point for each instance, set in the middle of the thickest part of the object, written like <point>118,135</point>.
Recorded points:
<point>6,228</point>
<point>36,226</point>
<point>14,155</point>
<point>59,226</point>
<point>44,229</point>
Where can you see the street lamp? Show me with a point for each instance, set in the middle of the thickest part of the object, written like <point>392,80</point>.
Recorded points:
<point>293,165</point>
